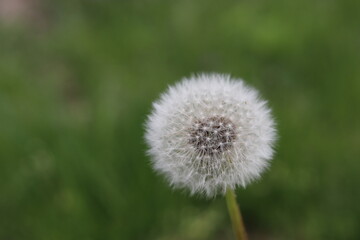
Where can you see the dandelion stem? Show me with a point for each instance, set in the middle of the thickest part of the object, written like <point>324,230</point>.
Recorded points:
<point>235,215</point>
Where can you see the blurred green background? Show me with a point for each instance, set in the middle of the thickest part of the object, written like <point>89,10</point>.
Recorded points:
<point>77,79</point>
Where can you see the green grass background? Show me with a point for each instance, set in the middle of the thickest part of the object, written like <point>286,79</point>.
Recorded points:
<point>77,83</point>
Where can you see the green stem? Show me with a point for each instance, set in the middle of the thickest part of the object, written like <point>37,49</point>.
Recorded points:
<point>235,215</point>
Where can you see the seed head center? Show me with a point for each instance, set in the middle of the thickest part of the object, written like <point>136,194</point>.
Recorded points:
<point>213,135</point>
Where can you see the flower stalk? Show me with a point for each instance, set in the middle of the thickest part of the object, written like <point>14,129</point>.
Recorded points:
<point>235,215</point>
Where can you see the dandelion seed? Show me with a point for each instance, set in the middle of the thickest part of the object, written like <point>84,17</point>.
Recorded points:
<point>210,127</point>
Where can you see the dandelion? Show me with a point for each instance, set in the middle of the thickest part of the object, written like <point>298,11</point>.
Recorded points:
<point>210,134</point>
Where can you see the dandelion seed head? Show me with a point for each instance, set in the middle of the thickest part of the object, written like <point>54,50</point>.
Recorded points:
<point>209,133</point>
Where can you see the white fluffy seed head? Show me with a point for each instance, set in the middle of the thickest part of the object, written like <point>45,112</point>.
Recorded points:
<point>209,133</point>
